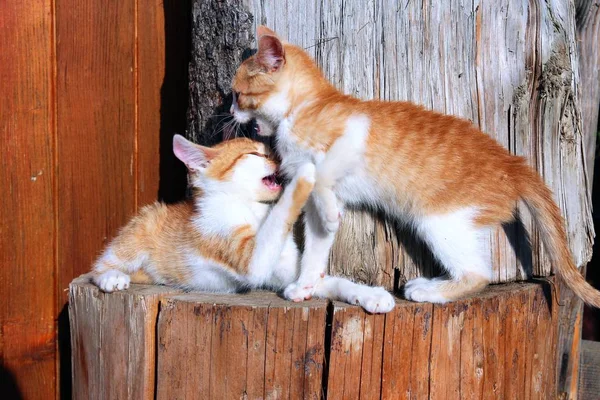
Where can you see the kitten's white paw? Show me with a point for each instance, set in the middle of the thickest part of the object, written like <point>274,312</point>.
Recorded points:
<point>112,280</point>
<point>302,289</point>
<point>424,290</point>
<point>307,172</point>
<point>374,300</point>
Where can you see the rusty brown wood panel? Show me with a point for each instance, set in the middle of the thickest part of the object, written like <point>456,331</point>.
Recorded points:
<point>150,72</point>
<point>229,346</point>
<point>113,340</point>
<point>27,206</point>
<point>95,93</point>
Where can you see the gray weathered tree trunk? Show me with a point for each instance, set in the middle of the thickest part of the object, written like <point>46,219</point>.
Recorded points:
<point>510,66</point>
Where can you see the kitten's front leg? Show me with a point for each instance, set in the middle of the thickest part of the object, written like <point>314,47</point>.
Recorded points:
<point>273,234</point>
<point>328,207</point>
<point>317,244</point>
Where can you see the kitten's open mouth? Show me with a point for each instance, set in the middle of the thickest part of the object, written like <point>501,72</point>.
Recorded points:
<point>272,182</point>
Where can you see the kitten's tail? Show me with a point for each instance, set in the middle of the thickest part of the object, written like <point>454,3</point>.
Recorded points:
<point>538,198</point>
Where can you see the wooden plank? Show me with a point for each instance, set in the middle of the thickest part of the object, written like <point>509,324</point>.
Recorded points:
<point>372,357</point>
<point>588,41</point>
<point>589,381</point>
<point>113,340</point>
<point>541,356</point>
<point>27,207</point>
<point>314,358</point>
<point>347,333</point>
<point>150,73</point>
<point>258,346</point>
<point>471,352</point>
<point>516,381</point>
<point>95,97</point>
<point>444,379</point>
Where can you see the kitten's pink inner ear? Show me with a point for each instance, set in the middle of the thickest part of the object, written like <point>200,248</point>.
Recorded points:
<point>271,54</point>
<point>195,157</point>
<point>263,30</point>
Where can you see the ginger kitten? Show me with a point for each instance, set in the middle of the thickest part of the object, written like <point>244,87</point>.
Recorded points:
<point>229,237</point>
<point>438,173</point>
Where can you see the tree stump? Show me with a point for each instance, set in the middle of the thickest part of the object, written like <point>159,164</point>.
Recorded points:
<point>154,342</point>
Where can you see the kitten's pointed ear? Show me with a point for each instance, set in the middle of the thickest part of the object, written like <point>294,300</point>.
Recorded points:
<point>195,157</point>
<point>263,30</point>
<point>271,54</point>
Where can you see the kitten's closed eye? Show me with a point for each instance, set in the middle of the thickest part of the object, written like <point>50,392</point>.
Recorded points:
<point>254,153</point>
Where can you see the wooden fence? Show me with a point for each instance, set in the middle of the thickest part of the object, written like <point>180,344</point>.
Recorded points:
<point>82,113</point>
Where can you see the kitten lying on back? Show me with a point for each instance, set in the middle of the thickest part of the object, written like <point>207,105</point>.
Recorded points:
<point>228,238</point>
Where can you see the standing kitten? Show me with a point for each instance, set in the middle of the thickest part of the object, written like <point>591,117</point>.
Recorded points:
<point>438,173</point>
<point>228,238</point>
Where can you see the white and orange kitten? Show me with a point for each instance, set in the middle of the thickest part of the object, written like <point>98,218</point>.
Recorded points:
<point>229,237</point>
<point>437,173</point>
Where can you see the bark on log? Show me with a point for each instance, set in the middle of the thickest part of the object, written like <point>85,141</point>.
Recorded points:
<point>220,35</point>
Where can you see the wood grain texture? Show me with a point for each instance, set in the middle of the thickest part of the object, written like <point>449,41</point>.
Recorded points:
<point>516,77</point>
<point>27,206</point>
<point>95,97</point>
<point>499,345</point>
<point>113,339</point>
<point>70,109</point>
<point>589,381</point>
<point>150,71</point>
<point>588,41</point>
<point>230,346</point>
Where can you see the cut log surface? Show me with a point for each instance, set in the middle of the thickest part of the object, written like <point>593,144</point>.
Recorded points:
<point>500,344</point>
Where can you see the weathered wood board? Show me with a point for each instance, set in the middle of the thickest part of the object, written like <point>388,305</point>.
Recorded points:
<point>511,67</point>
<point>589,381</point>
<point>252,346</point>
<point>113,340</point>
<point>500,344</point>
<point>496,345</point>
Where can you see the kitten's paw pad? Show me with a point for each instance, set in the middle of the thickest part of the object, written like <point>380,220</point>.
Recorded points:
<point>307,172</point>
<point>297,293</point>
<point>424,290</point>
<point>111,281</point>
<point>375,300</point>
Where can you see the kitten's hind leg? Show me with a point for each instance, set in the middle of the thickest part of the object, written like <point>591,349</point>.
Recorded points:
<point>457,243</point>
<point>372,299</point>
